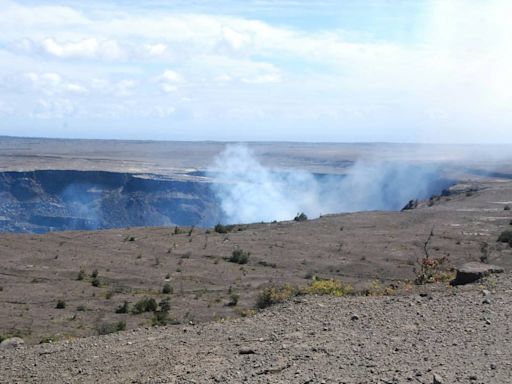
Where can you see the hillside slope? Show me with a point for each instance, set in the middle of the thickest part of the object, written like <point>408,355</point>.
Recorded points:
<point>459,335</point>
<point>38,271</point>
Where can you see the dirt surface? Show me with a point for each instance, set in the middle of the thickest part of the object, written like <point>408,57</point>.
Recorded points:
<point>459,335</point>
<point>39,270</point>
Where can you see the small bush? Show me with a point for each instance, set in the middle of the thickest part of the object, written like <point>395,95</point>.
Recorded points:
<point>94,274</point>
<point>81,275</point>
<point>105,329</point>
<point>233,298</point>
<point>239,256</point>
<point>81,308</point>
<point>219,228</point>
<point>124,308</point>
<point>505,237</point>
<point>433,270</point>
<point>61,304</point>
<point>167,289</point>
<point>273,295</point>
<point>328,287</point>
<point>161,317</point>
<point>300,217</point>
<point>48,340</point>
<point>144,305</point>
<point>506,208</point>
<point>95,282</point>
<point>376,289</point>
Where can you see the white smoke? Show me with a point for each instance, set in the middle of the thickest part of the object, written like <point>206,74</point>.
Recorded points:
<point>249,192</point>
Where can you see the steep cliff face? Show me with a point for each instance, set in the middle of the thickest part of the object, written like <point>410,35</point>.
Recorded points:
<point>42,201</point>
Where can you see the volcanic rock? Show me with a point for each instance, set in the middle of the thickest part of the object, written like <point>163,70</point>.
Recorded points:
<point>473,271</point>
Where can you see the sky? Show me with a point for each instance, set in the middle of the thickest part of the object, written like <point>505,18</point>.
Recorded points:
<point>256,70</point>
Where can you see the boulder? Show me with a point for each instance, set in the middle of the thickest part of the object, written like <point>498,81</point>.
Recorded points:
<point>473,271</point>
<point>11,343</point>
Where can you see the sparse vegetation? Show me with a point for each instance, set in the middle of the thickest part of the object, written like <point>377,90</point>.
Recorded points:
<point>506,208</point>
<point>328,287</point>
<point>375,288</point>
<point>94,274</point>
<point>234,296</point>
<point>300,217</point>
<point>167,289</point>
<point>274,295</point>
<point>267,264</point>
<point>161,316</point>
<point>95,282</point>
<point>123,308</point>
<point>48,339</point>
<point>81,275</point>
<point>144,305</point>
<point>433,270</point>
<point>106,328</point>
<point>81,308</point>
<point>239,256</point>
<point>61,304</point>
<point>505,237</point>
<point>219,228</point>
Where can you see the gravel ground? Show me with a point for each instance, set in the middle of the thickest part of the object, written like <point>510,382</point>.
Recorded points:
<point>459,335</point>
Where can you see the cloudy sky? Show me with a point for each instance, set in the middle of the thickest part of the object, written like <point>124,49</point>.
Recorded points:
<point>326,70</point>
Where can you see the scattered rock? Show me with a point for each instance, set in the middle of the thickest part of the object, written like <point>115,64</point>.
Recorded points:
<point>246,351</point>
<point>473,271</point>
<point>437,379</point>
<point>486,301</point>
<point>12,343</point>
<point>354,317</point>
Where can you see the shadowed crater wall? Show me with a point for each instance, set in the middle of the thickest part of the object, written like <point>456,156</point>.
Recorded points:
<point>53,200</point>
<point>42,201</point>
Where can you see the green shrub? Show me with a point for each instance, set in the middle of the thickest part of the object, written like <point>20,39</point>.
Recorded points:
<point>167,289</point>
<point>95,282</point>
<point>300,217</point>
<point>124,308</point>
<point>273,295</point>
<point>81,308</point>
<point>233,298</point>
<point>161,317</point>
<point>145,305</point>
<point>219,228</point>
<point>106,328</point>
<point>239,256</point>
<point>48,339</point>
<point>433,270</point>
<point>94,274</point>
<point>505,237</point>
<point>61,304</point>
<point>328,287</point>
<point>81,275</point>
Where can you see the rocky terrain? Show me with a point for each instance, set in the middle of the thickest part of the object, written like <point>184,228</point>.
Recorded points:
<point>407,333</point>
<point>459,335</point>
<point>90,306</point>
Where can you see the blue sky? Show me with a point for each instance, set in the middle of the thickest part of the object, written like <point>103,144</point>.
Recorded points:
<point>402,71</point>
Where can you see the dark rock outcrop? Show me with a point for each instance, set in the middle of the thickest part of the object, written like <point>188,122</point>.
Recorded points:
<point>474,271</point>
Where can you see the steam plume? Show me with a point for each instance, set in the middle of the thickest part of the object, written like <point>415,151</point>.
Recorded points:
<point>249,192</point>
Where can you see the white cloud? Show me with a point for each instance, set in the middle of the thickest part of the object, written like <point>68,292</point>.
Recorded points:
<point>169,81</point>
<point>455,77</point>
<point>89,48</point>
